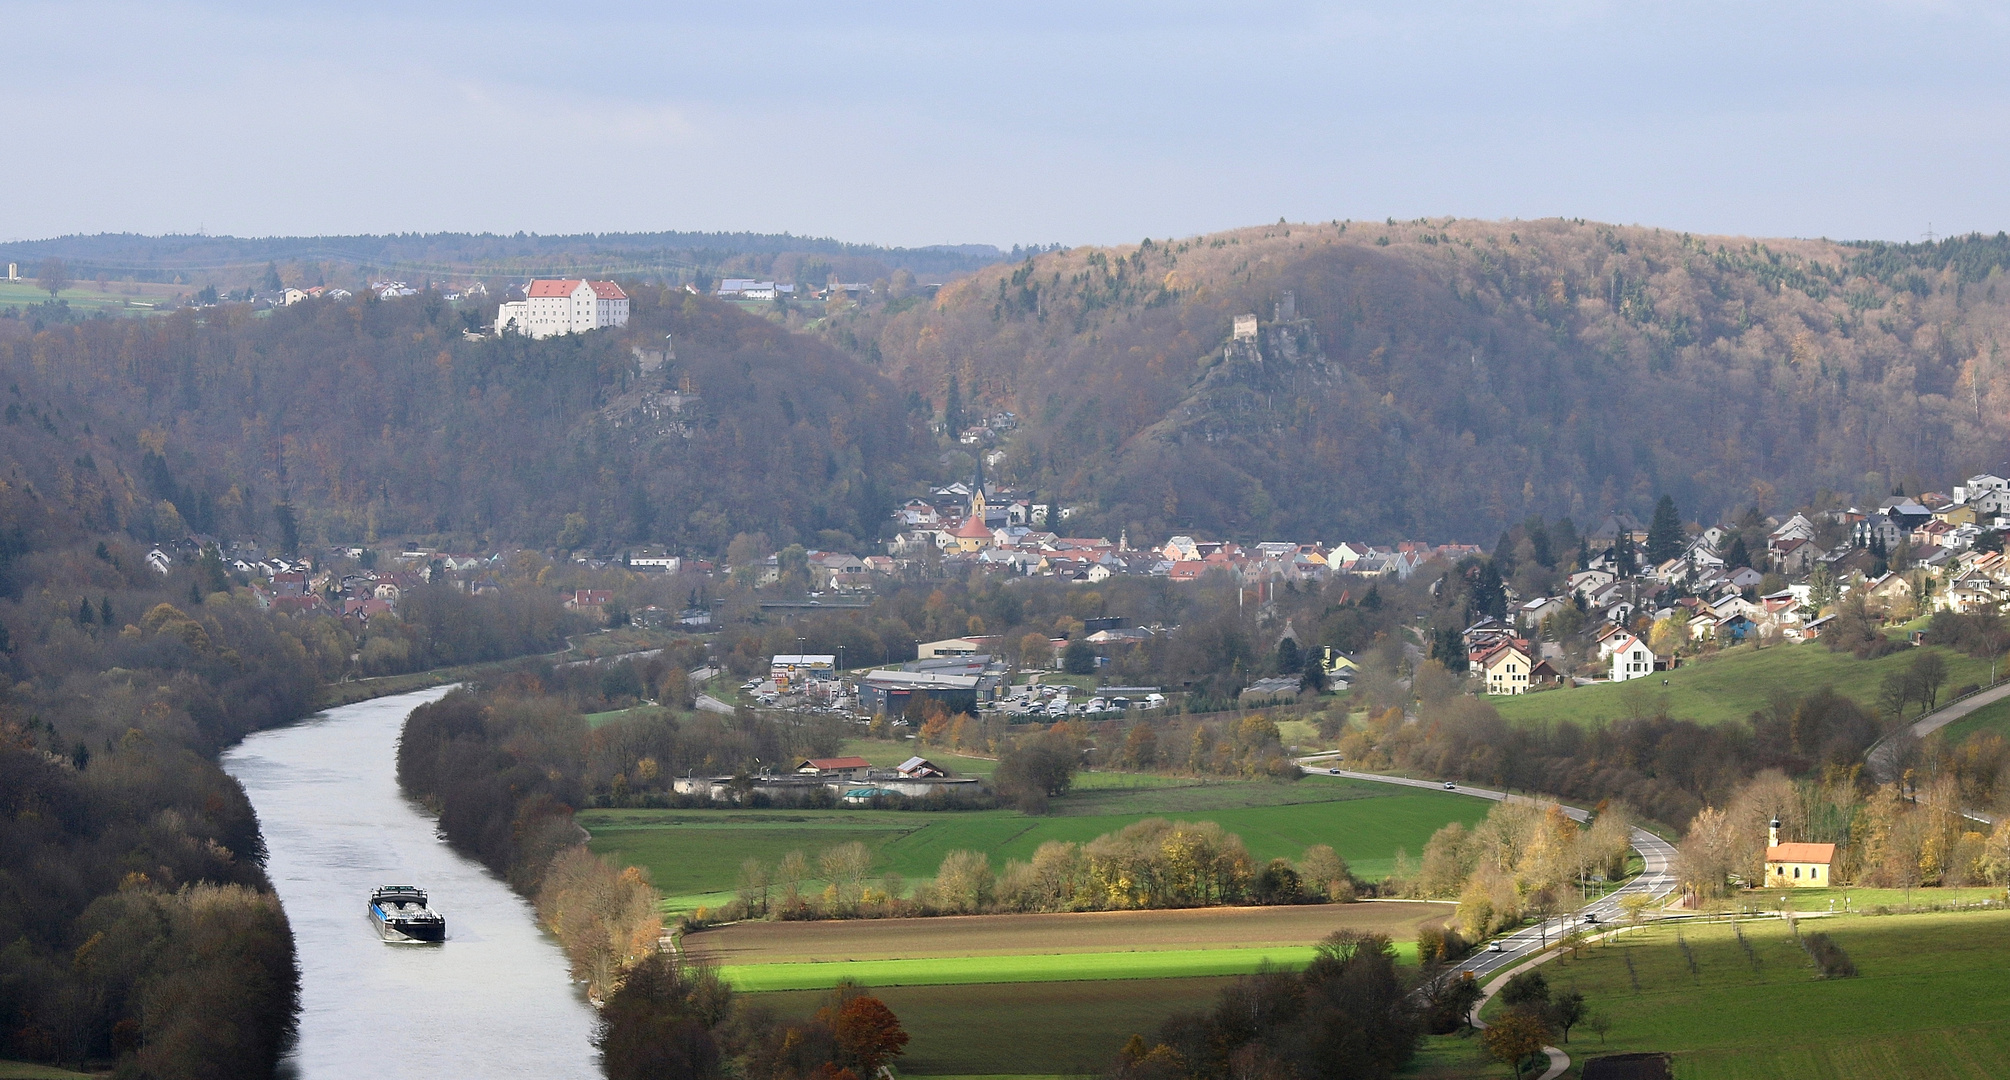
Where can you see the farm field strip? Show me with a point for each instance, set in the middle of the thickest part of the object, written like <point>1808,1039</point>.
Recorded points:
<point>1026,968</point>
<point>754,943</point>
<point>694,856</point>
<point>1065,1029</point>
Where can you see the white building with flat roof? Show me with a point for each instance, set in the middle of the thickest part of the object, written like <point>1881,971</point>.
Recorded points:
<point>551,307</point>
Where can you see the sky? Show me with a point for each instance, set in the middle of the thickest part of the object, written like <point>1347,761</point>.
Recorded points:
<point>927,123</point>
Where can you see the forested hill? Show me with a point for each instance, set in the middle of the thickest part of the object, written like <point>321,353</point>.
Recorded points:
<point>229,262</point>
<point>1442,378</point>
<point>382,419</point>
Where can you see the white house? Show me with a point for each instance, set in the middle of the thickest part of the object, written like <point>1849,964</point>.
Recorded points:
<point>1631,659</point>
<point>551,307</point>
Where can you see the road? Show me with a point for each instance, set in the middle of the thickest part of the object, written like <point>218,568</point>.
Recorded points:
<point>1657,880</point>
<point>1884,756</point>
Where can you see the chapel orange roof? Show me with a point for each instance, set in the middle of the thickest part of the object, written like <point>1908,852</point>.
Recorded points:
<point>1801,853</point>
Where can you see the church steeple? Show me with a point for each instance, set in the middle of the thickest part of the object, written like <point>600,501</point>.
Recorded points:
<point>977,490</point>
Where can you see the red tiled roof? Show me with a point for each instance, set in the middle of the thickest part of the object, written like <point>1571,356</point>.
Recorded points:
<point>1802,853</point>
<point>605,290</point>
<point>828,763</point>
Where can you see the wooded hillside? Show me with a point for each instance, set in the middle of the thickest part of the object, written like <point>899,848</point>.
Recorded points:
<point>380,418</point>
<point>1443,378</point>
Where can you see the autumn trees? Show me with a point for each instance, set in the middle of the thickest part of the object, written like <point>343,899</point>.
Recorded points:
<point>670,1019</point>
<point>1345,1015</point>
<point>603,914</point>
<point>1523,859</point>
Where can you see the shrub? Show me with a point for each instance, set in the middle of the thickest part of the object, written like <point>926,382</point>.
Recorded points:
<point>1829,958</point>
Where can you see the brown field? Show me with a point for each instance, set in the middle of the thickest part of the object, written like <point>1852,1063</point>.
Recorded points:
<point>1073,932</point>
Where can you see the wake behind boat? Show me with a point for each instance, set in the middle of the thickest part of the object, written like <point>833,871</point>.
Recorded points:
<point>400,914</point>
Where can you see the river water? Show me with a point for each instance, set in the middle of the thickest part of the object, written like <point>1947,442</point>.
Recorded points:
<point>493,1001</point>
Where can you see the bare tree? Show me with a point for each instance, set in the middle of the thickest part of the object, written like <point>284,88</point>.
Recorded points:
<point>55,276</point>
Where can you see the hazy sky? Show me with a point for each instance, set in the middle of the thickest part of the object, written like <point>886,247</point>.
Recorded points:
<point>1001,123</point>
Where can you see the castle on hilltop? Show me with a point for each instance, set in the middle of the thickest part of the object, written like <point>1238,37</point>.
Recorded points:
<point>564,306</point>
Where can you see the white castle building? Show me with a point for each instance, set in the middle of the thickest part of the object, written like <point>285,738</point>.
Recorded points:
<point>571,306</point>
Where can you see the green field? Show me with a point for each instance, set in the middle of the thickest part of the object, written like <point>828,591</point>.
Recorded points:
<point>1759,901</point>
<point>23,1070</point>
<point>86,298</point>
<point>1734,683</point>
<point>1048,967</point>
<point>1024,1029</point>
<point>694,856</point>
<point>1928,1003</point>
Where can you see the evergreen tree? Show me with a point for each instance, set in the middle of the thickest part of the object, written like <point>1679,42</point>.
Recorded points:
<point>1664,533</point>
<point>289,529</point>
<point>1313,678</point>
<point>1448,647</point>
<point>1289,660</point>
<point>1538,538</point>
<point>1489,595</point>
<point>1737,555</point>
<point>84,613</point>
<point>952,409</point>
<point>105,611</point>
<point>1504,554</point>
<point>272,282</point>
<point>1625,557</point>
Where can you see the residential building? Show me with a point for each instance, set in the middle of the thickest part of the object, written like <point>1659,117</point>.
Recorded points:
<point>1631,659</point>
<point>1505,668</point>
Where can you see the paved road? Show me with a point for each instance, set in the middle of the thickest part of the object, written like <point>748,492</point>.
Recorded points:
<point>1883,756</point>
<point>1657,880</point>
<point>711,704</point>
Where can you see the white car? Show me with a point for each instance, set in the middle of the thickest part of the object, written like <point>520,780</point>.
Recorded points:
<point>1496,946</point>
<point>1449,786</point>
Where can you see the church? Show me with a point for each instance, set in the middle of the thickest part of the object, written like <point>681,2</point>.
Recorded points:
<point>1796,866</point>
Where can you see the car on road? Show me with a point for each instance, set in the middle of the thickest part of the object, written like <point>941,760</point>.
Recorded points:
<point>1497,946</point>
<point>1591,917</point>
<point>1335,772</point>
<point>1449,786</point>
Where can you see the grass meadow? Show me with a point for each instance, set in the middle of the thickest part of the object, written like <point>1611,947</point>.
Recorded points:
<point>694,856</point>
<point>86,297</point>
<point>1928,1003</point>
<point>1734,683</point>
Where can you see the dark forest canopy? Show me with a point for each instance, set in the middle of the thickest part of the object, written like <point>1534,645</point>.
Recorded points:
<point>227,261</point>
<point>1444,378</point>
<point>381,418</point>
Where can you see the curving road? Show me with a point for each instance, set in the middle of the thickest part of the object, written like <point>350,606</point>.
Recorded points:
<point>1656,880</point>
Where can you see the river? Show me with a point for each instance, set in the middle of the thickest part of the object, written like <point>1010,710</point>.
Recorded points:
<point>494,1000</point>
